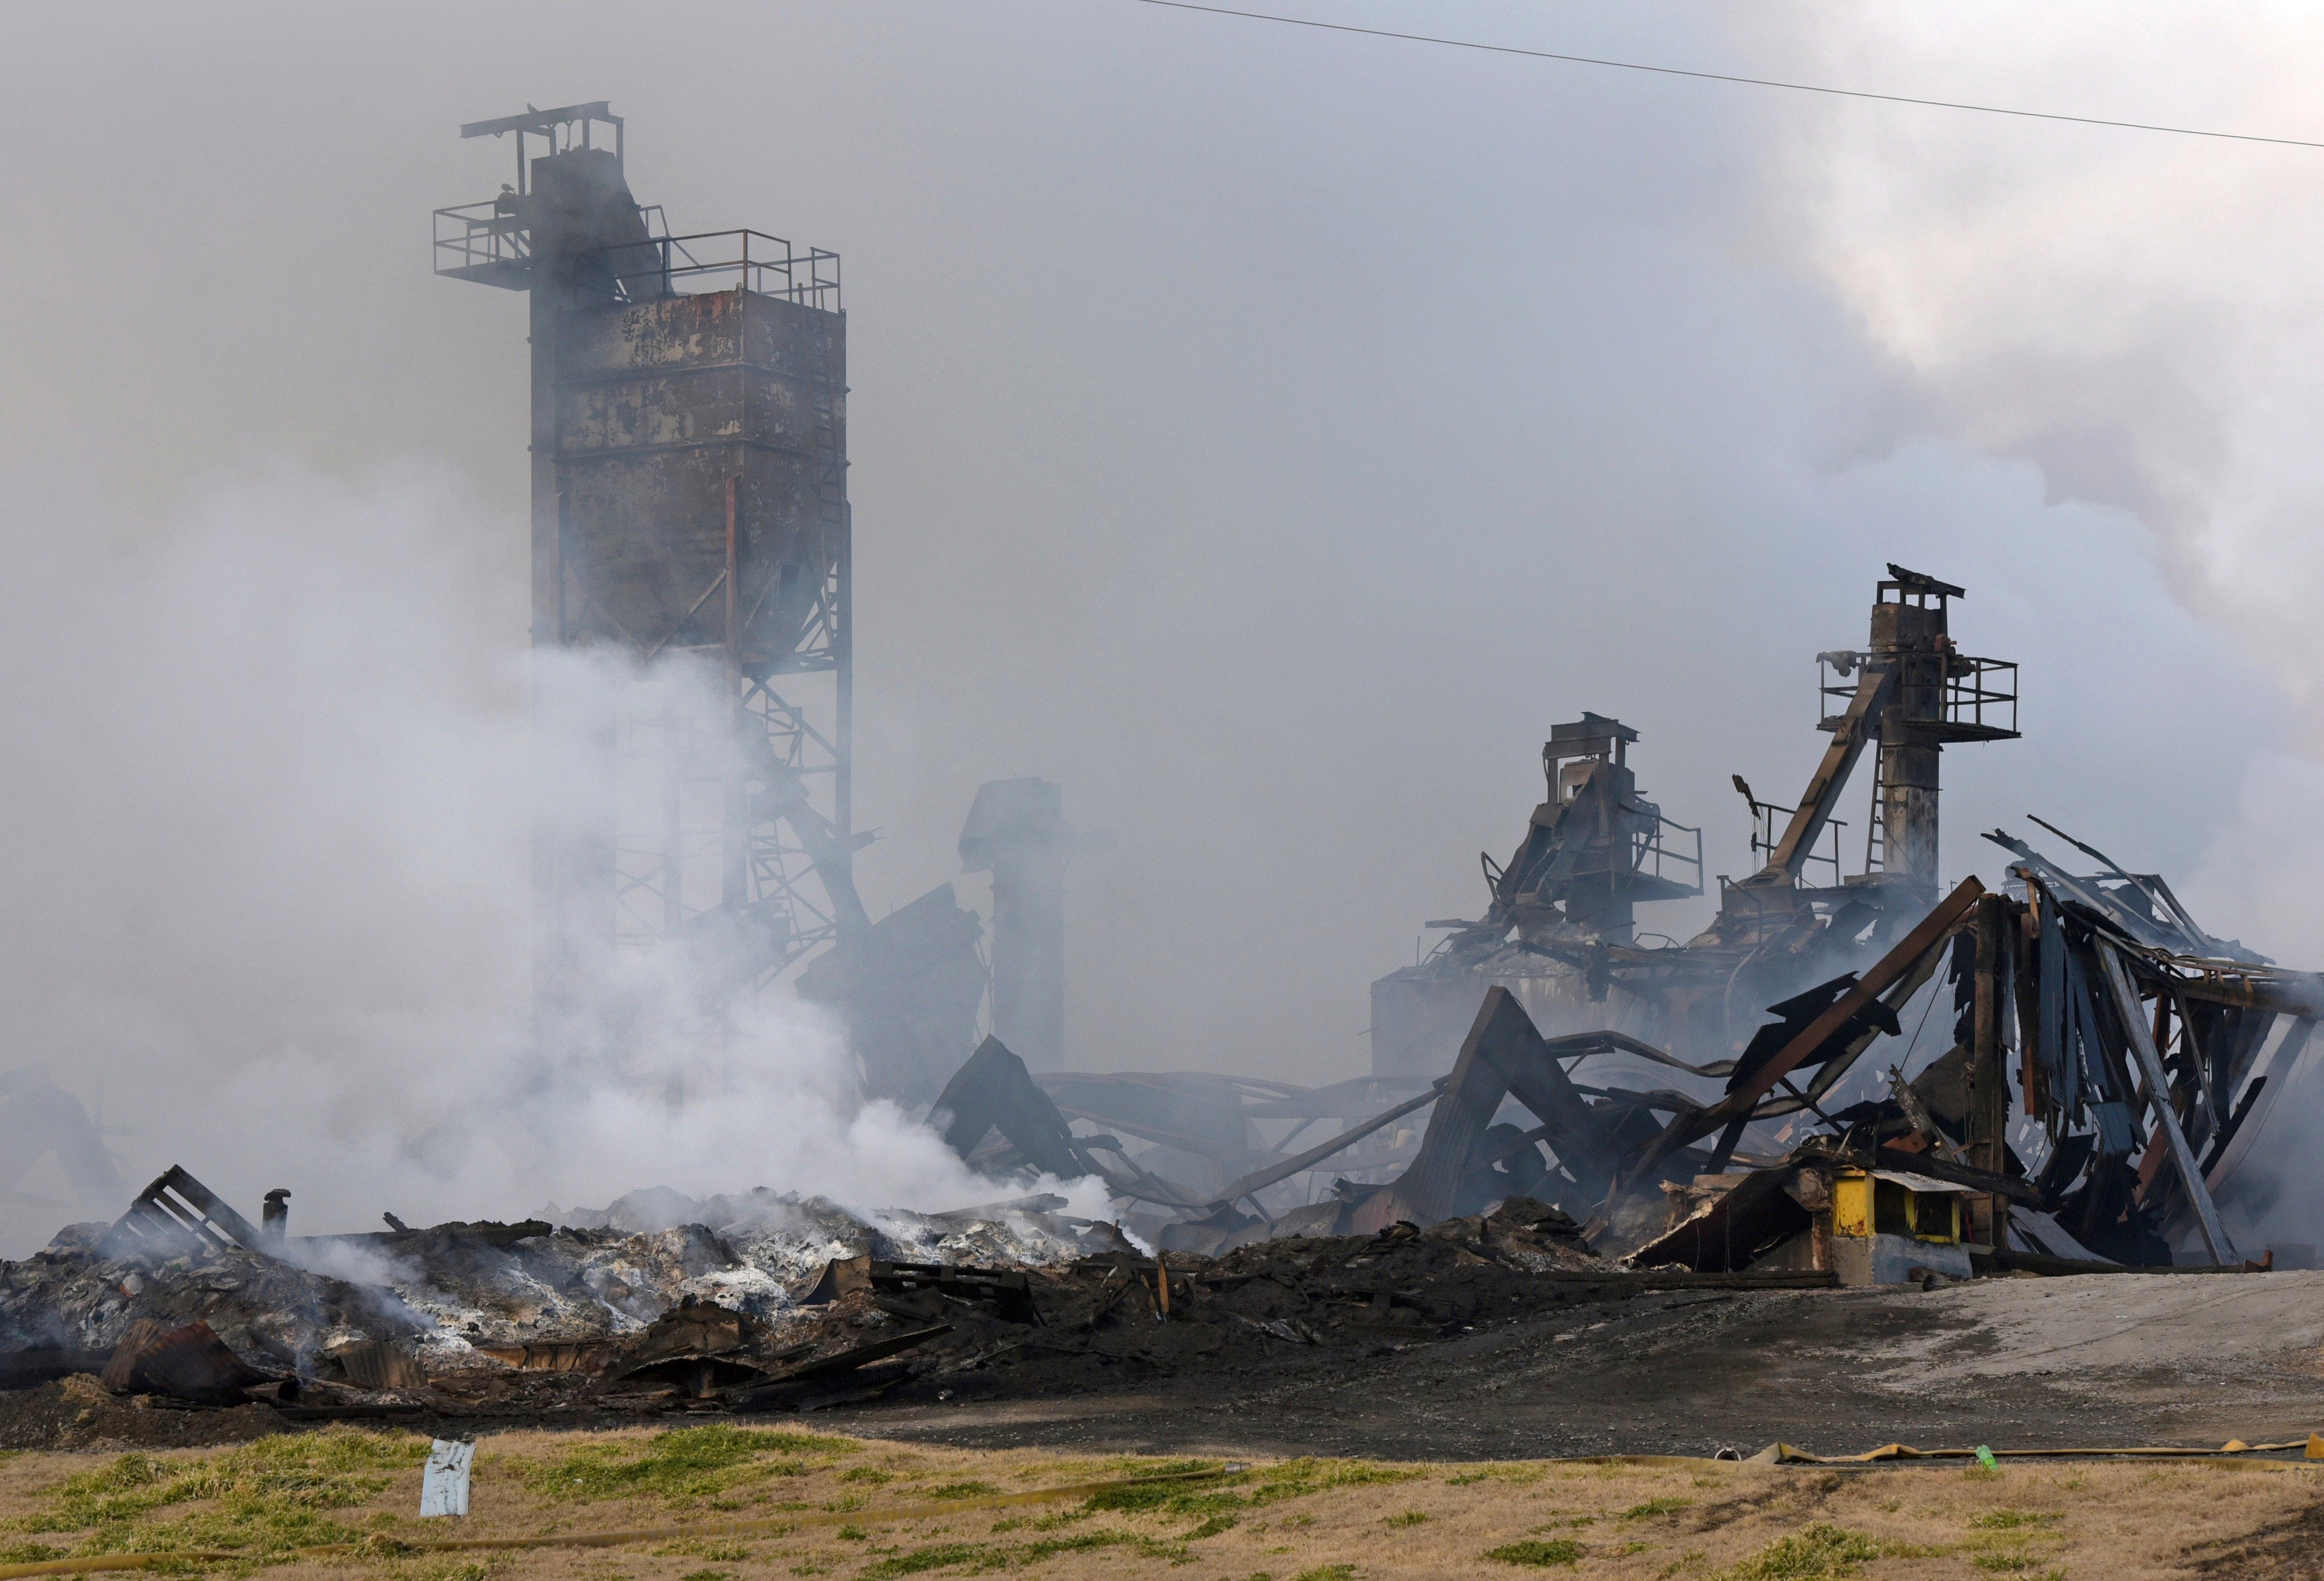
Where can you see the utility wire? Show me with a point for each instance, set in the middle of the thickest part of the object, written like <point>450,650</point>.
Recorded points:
<point>1845,93</point>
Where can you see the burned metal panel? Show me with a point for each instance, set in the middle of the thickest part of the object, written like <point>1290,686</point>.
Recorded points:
<point>993,1091</point>
<point>1755,1213</point>
<point>2158,1089</point>
<point>192,1363</point>
<point>658,405</point>
<point>907,989</point>
<point>1474,1090</point>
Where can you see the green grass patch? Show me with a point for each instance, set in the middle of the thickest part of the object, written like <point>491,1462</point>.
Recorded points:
<point>1555,1551</point>
<point>448,1570</point>
<point>1821,1552</point>
<point>959,1490</point>
<point>2012,1520</point>
<point>870,1474</point>
<point>1327,1573</point>
<point>680,1466</point>
<point>260,1498</point>
<point>1244,1490</point>
<point>1653,1507</point>
<point>986,1557</point>
<point>939,1556</point>
<point>1409,1518</point>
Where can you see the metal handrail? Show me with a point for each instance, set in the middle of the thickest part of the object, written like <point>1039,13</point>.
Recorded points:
<point>765,264</point>
<point>472,235</point>
<point>1975,692</point>
<point>1967,696</point>
<point>1650,844</point>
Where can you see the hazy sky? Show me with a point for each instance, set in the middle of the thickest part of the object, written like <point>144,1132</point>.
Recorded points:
<point>1269,433</point>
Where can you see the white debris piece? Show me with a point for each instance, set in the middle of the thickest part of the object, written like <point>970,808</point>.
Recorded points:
<point>444,1486</point>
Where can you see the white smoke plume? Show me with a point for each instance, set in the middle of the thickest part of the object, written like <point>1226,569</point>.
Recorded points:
<point>269,841</point>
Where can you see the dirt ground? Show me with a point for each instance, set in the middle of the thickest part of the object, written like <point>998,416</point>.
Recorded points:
<point>2100,1360</point>
<point>2094,1361</point>
<point>1285,1521</point>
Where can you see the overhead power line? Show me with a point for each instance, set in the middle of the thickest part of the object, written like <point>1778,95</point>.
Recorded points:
<point>1844,93</point>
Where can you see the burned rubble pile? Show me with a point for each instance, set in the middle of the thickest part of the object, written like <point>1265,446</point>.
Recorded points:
<point>521,1315</point>
<point>530,1321</point>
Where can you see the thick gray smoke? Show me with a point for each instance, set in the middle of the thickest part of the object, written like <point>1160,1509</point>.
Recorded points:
<point>1267,435</point>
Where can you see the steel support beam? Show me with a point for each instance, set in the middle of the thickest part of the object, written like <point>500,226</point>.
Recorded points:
<point>2158,1092</point>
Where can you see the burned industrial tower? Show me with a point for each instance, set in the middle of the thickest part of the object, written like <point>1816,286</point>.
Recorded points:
<point>689,499</point>
<point>689,496</point>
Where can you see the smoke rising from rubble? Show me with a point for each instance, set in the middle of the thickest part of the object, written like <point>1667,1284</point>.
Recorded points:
<point>284,913</point>
<point>1268,435</point>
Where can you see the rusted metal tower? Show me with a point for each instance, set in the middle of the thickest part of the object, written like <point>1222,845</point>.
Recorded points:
<point>689,496</point>
<point>1910,692</point>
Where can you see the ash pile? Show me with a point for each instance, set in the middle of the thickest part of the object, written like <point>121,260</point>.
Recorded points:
<point>183,1305</point>
<point>183,1300</point>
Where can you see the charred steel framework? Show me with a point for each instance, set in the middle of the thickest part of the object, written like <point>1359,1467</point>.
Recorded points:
<point>689,494</point>
<point>1909,693</point>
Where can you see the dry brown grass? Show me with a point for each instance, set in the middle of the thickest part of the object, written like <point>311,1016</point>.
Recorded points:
<point>1313,1520</point>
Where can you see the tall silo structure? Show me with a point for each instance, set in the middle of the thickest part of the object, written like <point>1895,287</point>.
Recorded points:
<point>689,496</point>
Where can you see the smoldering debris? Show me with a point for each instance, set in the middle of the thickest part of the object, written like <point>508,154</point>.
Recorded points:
<point>409,1319</point>
<point>1605,1117</point>
<point>789,1305</point>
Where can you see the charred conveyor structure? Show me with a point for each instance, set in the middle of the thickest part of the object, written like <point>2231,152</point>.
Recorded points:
<point>2091,1012</point>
